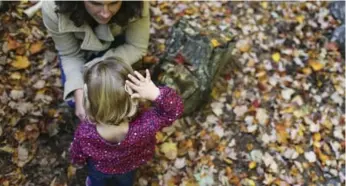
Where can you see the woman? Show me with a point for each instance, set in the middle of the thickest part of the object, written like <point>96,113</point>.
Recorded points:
<point>87,29</point>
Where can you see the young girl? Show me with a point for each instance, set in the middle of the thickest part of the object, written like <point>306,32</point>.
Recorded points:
<point>115,139</point>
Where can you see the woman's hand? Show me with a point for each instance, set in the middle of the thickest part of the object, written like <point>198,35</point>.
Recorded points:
<point>79,110</point>
<point>143,87</point>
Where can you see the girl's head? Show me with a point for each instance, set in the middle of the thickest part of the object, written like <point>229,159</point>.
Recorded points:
<point>106,99</point>
<point>102,12</point>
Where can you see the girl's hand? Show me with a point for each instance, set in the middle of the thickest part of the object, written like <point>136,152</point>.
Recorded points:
<point>142,87</point>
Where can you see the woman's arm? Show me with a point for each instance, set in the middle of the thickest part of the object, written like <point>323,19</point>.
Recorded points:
<point>71,56</point>
<point>137,39</point>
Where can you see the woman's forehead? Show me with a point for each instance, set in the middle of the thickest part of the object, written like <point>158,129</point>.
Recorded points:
<point>103,1</point>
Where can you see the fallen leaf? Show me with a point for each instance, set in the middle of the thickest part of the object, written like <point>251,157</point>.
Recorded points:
<point>315,65</point>
<point>300,19</point>
<point>287,93</point>
<point>180,163</point>
<point>244,45</point>
<point>252,165</point>
<point>36,47</point>
<point>276,57</point>
<point>170,150</point>
<point>12,44</point>
<point>262,116</point>
<point>16,94</point>
<point>21,62</point>
<point>71,171</point>
<point>310,156</point>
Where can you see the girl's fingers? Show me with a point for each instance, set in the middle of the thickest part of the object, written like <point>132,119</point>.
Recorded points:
<point>139,76</point>
<point>147,75</point>
<point>133,79</point>
<point>131,85</point>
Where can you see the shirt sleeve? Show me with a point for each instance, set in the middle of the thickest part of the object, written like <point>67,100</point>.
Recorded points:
<point>168,107</point>
<point>76,152</point>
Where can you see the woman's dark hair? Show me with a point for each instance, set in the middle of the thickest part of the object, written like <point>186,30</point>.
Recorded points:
<point>79,15</point>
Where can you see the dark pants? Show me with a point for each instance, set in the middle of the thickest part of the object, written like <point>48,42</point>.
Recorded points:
<point>118,40</point>
<point>98,178</point>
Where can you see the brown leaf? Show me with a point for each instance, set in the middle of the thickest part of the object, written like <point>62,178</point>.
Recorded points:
<point>20,136</point>
<point>32,131</point>
<point>21,62</point>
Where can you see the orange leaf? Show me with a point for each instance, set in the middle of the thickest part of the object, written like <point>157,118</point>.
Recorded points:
<point>21,62</point>
<point>316,66</point>
<point>12,44</point>
<point>36,47</point>
<point>150,59</point>
<point>282,134</point>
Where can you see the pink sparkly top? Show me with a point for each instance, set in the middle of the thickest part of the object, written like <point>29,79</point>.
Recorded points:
<point>138,146</point>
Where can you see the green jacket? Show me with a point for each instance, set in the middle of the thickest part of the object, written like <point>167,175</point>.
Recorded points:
<point>75,43</point>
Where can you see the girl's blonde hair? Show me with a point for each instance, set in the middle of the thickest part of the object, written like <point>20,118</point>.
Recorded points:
<point>105,98</point>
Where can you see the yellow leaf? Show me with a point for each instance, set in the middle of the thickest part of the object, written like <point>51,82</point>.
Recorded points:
<point>249,146</point>
<point>249,182</point>
<point>307,71</point>
<point>215,93</point>
<point>36,47</point>
<point>215,43</point>
<point>299,149</point>
<point>252,165</point>
<point>264,4</point>
<point>289,109</point>
<point>316,66</point>
<point>228,161</point>
<point>317,137</point>
<point>21,62</point>
<point>300,19</point>
<point>71,171</point>
<point>169,149</point>
<point>276,57</point>
<point>159,137</point>
<point>7,149</point>
<point>15,75</point>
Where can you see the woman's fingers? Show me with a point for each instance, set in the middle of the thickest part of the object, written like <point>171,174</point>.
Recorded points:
<point>134,79</point>
<point>139,76</point>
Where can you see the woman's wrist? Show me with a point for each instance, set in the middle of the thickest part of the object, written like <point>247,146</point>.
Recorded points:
<point>78,95</point>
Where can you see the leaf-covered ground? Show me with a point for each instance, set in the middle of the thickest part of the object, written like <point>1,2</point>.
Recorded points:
<point>276,116</point>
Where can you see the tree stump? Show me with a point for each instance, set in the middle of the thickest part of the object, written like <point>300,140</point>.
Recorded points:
<point>192,61</point>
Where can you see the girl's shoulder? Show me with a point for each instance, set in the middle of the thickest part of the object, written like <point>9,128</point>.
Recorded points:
<point>85,129</point>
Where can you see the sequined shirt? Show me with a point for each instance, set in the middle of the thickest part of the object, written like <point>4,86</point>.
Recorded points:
<point>138,146</point>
